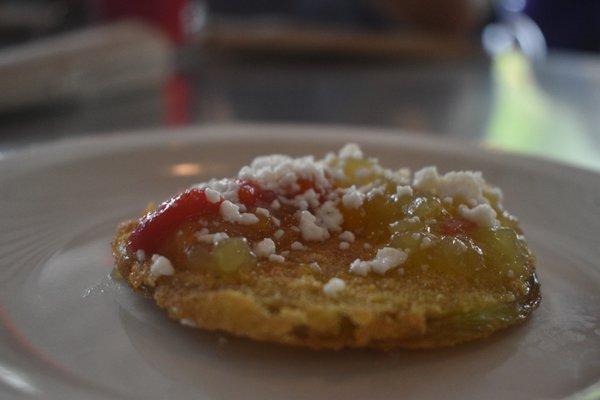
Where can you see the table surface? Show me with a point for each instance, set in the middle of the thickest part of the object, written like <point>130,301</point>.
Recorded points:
<point>550,109</point>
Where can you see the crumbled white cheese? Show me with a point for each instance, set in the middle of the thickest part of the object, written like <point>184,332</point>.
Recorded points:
<point>285,253</point>
<point>278,234</point>
<point>375,191</point>
<point>315,266</point>
<point>214,238</point>
<point>367,246</point>
<point>386,259</point>
<point>414,220</point>
<point>467,185</point>
<point>217,237</point>
<point>350,150</point>
<point>360,267</point>
<point>212,195</point>
<point>353,198</point>
<point>275,205</point>
<point>284,200</point>
<point>495,192</point>
<point>276,258</point>
<point>278,171</point>
<point>226,188</point>
<point>402,191</point>
<point>160,266</point>
<point>482,214</point>
<point>344,245</point>
<point>301,204</point>
<point>347,236</point>
<point>262,211</point>
<point>309,198</point>
<point>297,246</point>
<point>309,228</point>
<point>231,213</point>
<point>415,236</point>
<point>276,221</point>
<point>330,217</point>
<point>399,177</point>
<point>334,286</point>
<point>140,255</point>
<point>264,248</point>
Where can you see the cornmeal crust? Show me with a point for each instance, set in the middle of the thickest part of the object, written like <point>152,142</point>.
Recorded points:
<point>285,302</point>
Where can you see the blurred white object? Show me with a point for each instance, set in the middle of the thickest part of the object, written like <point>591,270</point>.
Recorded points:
<point>514,31</point>
<point>97,61</point>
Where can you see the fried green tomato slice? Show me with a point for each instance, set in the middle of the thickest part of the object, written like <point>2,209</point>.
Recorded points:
<point>325,265</point>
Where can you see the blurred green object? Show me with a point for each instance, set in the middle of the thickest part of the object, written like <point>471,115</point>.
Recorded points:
<point>525,119</point>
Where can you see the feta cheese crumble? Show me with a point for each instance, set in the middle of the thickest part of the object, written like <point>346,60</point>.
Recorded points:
<point>309,198</point>
<point>276,258</point>
<point>297,246</point>
<point>262,211</point>
<point>310,230</point>
<point>467,185</point>
<point>350,150</point>
<point>386,259</point>
<point>315,266</point>
<point>334,286</point>
<point>402,191</point>
<point>231,213</point>
<point>212,195</point>
<point>482,214</point>
<point>140,255</point>
<point>353,198</point>
<point>160,266</point>
<point>330,217</point>
<point>347,236</point>
<point>214,238</point>
<point>279,171</point>
<point>226,188</point>
<point>264,248</point>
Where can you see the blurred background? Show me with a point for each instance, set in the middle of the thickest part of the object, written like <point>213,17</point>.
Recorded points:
<point>521,75</point>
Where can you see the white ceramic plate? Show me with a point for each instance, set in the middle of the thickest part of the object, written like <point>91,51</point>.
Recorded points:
<point>67,331</point>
